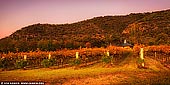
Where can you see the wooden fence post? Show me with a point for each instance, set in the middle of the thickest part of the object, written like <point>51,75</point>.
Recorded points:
<point>107,53</point>
<point>155,55</point>
<point>77,55</point>
<point>141,56</point>
<point>25,57</point>
<point>49,56</point>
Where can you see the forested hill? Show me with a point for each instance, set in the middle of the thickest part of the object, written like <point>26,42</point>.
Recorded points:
<point>137,28</point>
<point>150,30</point>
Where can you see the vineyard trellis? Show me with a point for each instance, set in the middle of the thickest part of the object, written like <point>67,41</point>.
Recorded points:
<point>63,57</point>
<point>160,53</point>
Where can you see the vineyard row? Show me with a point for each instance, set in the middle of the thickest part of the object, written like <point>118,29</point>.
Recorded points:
<point>62,57</point>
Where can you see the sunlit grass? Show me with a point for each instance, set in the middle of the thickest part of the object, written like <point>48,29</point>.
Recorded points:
<point>51,74</point>
<point>126,71</point>
<point>46,73</point>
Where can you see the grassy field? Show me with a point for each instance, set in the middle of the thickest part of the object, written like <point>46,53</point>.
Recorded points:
<point>125,72</point>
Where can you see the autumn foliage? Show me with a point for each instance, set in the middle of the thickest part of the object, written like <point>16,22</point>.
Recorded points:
<point>63,57</point>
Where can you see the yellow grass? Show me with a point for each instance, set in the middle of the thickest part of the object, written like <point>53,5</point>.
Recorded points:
<point>126,71</point>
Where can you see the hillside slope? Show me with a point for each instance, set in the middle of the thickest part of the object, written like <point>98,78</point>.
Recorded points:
<point>151,30</point>
<point>140,28</point>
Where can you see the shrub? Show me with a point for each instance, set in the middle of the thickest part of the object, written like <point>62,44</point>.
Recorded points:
<point>21,63</point>
<point>48,62</point>
<point>4,63</point>
<point>75,62</point>
<point>140,61</point>
<point>106,59</point>
<point>71,62</point>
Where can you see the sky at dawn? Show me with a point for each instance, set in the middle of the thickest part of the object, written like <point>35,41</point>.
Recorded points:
<point>15,14</point>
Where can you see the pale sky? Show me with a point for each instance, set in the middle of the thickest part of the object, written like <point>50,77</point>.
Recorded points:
<point>15,14</point>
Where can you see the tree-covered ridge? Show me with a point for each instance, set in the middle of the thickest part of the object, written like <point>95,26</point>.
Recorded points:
<point>137,28</point>
<point>150,30</point>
